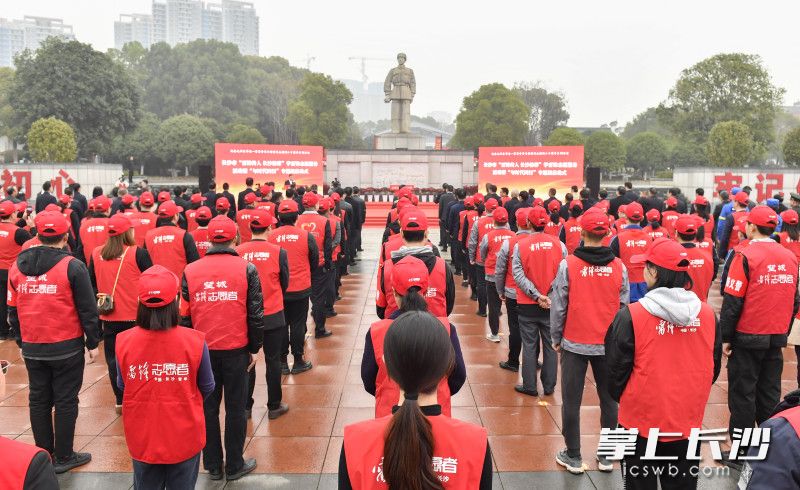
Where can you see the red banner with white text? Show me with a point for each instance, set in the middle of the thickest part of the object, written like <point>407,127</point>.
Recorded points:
<point>234,162</point>
<point>525,167</point>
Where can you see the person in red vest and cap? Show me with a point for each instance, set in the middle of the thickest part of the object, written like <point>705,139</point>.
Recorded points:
<point>168,244</point>
<point>12,237</point>
<point>701,210</point>
<point>702,267</point>
<point>790,239</point>
<point>26,467</point>
<point>196,202</point>
<point>633,240</point>
<point>145,220</point>
<point>165,373</point>
<point>483,226</point>
<point>466,218</point>
<point>670,215</point>
<point>115,269</point>
<point>402,450</point>
<point>93,232</point>
<point>553,226</point>
<point>202,217</point>
<point>507,288</point>
<point>409,283</point>
<point>663,355</point>
<point>589,289</point>
<point>272,263</point>
<point>48,279</point>
<point>222,298</point>
<point>320,228</point>
<point>534,263</point>
<point>326,207</point>
<point>760,301</point>
<point>653,227</point>
<point>245,215</point>
<point>571,231</point>
<point>489,247</point>
<point>303,254</point>
<point>728,238</point>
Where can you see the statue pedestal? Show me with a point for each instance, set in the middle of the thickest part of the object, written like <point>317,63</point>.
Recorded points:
<point>400,141</point>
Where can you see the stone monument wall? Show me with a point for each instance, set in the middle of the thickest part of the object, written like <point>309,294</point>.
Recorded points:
<point>384,168</point>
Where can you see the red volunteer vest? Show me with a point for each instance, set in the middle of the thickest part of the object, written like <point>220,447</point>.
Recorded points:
<point>459,450</point>
<point>315,224</point>
<point>94,233</point>
<point>733,241</point>
<point>572,234</point>
<point>593,299</point>
<point>701,271</point>
<point>673,367</point>
<point>201,241</point>
<point>162,406</point>
<point>145,221</point>
<point>126,297</point>
<point>218,300</point>
<point>632,242</point>
<point>165,245</point>
<point>792,415</point>
<point>52,293</point>
<point>387,393</point>
<point>768,302</point>
<point>540,255</point>
<point>471,216</point>
<point>707,227</point>
<point>243,219</point>
<point>191,220</point>
<point>434,296</point>
<point>495,240</point>
<point>395,242</point>
<point>504,200</point>
<point>485,225</point>
<point>17,457</point>
<point>554,229</point>
<point>659,233</point>
<point>268,205</point>
<point>791,245</point>
<point>295,242</point>
<point>668,219</point>
<point>333,220</point>
<point>9,250</point>
<point>266,257</point>
<point>33,242</point>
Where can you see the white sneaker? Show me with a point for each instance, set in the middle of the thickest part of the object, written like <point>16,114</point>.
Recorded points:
<point>493,338</point>
<point>604,464</point>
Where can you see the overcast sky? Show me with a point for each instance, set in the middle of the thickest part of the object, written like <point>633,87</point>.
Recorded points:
<point>611,59</point>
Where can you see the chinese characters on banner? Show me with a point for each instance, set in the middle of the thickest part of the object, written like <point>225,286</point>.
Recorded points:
<point>267,163</point>
<point>524,167</point>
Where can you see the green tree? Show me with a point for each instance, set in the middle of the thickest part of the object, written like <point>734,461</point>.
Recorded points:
<point>688,154</point>
<point>142,143</point>
<point>646,152</point>
<point>646,121</point>
<point>791,147</point>
<point>277,85</point>
<point>730,144</point>
<point>242,133</point>
<point>83,87</point>
<point>565,137</point>
<point>725,87</point>
<point>784,123</point>
<point>8,128</point>
<point>185,142</point>
<point>320,115</point>
<point>547,111</point>
<point>52,140</point>
<point>606,150</point>
<point>493,115</point>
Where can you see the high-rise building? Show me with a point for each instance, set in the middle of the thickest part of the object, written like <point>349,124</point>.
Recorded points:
<point>28,33</point>
<point>182,21</point>
<point>368,103</point>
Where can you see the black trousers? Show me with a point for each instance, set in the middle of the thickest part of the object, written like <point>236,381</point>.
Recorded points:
<point>442,234</point>
<point>110,331</point>
<point>320,280</point>
<point>230,376</point>
<point>473,283</point>
<point>455,256</point>
<point>494,303</point>
<point>272,355</point>
<point>680,474</point>
<point>514,338</point>
<point>356,239</point>
<point>55,384</point>
<point>754,385</point>
<point>178,476</point>
<point>4,327</point>
<point>296,314</point>
<point>573,378</point>
<point>480,282</point>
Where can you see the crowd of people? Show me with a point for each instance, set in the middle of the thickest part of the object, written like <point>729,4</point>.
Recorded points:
<point>618,284</point>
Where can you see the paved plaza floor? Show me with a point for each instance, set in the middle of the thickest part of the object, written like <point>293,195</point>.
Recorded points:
<point>301,449</point>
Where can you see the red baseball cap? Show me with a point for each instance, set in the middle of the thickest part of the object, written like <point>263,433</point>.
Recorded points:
<point>762,216</point>
<point>490,204</point>
<point>55,208</point>
<point>469,201</point>
<point>595,221</point>
<point>222,204</point>
<point>310,199</point>
<point>653,215</point>
<point>164,196</point>
<point>21,206</point>
<point>158,286</point>
<point>687,224</point>
<point>413,220</point>
<point>500,215</point>
<point>575,203</point>
<point>197,198</point>
<point>203,212</point>
<point>102,204</point>
<point>336,198</point>
<point>521,214</point>
<point>7,208</point>
<point>146,199</point>
<point>261,219</point>
<point>538,202</point>
<point>665,253</point>
<point>250,198</point>
<point>265,189</point>
<point>64,199</point>
<point>538,217</point>
<point>118,224</point>
<point>221,229</point>
<point>405,191</point>
<point>128,199</point>
<point>51,223</point>
<point>287,206</point>
<point>700,201</point>
<point>553,205</point>
<point>671,202</point>
<point>326,203</point>
<point>478,197</point>
<point>634,211</point>
<point>407,273</point>
<point>414,199</point>
<point>742,197</point>
<point>790,217</point>
<point>168,209</point>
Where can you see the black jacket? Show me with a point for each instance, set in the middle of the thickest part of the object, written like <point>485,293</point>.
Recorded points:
<point>255,305</point>
<point>444,202</point>
<point>37,261</point>
<point>240,204</point>
<point>359,211</point>
<point>43,199</point>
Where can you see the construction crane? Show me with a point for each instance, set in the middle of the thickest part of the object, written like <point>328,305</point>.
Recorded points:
<point>308,59</point>
<point>363,60</point>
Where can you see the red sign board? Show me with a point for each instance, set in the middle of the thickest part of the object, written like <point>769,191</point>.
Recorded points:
<point>268,163</point>
<point>524,167</point>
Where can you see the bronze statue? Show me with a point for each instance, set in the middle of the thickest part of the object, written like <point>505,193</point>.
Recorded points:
<point>400,87</point>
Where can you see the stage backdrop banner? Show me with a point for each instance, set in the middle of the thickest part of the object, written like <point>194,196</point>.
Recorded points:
<point>525,167</point>
<point>267,163</point>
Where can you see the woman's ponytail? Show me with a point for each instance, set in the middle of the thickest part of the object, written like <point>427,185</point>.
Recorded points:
<point>413,301</point>
<point>408,453</point>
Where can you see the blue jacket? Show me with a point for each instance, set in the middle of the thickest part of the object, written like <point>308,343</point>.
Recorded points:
<point>781,468</point>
